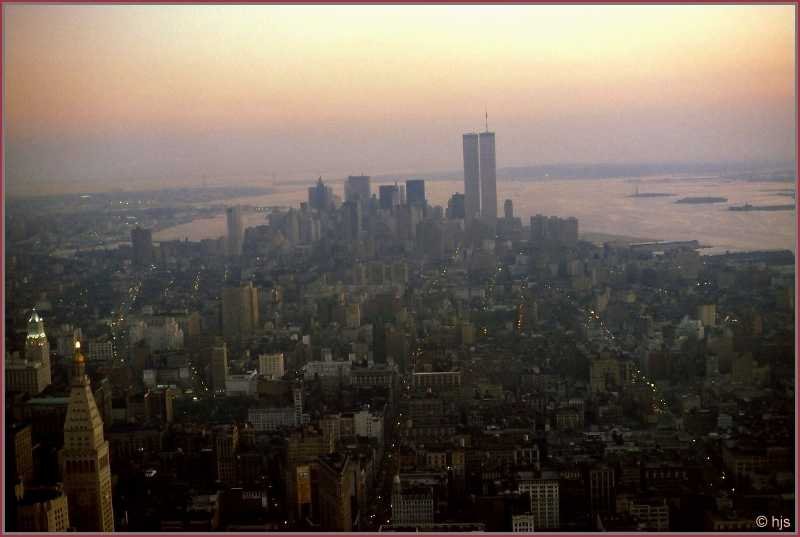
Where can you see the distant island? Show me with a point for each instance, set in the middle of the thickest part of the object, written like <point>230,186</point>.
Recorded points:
<point>748,207</point>
<point>702,199</point>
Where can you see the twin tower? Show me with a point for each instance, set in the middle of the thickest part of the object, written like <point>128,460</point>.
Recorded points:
<point>480,178</point>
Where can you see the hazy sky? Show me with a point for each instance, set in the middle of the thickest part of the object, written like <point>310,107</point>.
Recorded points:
<point>117,96</point>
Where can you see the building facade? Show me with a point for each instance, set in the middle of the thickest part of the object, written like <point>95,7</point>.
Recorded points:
<point>544,495</point>
<point>219,368</point>
<point>240,311</point>
<point>43,510</point>
<point>415,192</point>
<point>271,365</point>
<point>472,180</point>
<point>235,237</point>
<point>142,244</point>
<point>488,175</point>
<point>357,188</point>
<point>85,457</point>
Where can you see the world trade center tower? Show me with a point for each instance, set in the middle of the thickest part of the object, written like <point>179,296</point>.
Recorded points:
<point>488,174</point>
<point>472,186</point>
<point>480,178</point>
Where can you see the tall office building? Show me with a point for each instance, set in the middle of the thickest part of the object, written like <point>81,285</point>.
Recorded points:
<point>389,196</point>
<point>544,502</point>
<point>480,177</point>
<point>142,243</point>
<point>554,230</point>
<point>37,347</point>
<point>415,192</point>
<point>455,206</point>
<point>569,231</point>
<point>219,368</point>
<point>271,365</point>
<point>19,454</point>
<point>508,209</point>
<point>40,510</point>
<point>226,441</point>
<point>357,188</point>
<point>488,174</point>
<point>159,404</point>
<point>351,216</point>
<point>411,505</point>
<point>297,399</point>
<point>25,377</point>
<point>31,374</point>
<point>84,458</point>
<point>336,492</point>
<point>320,196</point>
<point>602,489</point>
<point>235,231</point>
<point>472,184</point>
<point>240,312</point>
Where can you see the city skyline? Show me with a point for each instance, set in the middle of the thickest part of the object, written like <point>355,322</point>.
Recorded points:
<point>381,365</point>
<point>236,301</point>
<point>688,90</point>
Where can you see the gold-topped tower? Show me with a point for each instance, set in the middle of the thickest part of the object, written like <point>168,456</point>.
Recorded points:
<point>84,457</point>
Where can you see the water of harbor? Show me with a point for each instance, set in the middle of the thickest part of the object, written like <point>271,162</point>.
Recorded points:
<point>604,206</point>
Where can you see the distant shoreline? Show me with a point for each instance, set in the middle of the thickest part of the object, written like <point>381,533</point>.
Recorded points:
<point>746,172</point>
<point>601,238</point>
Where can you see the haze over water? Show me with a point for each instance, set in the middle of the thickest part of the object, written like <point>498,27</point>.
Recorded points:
<point>100,97</point>
<point>601,206</point>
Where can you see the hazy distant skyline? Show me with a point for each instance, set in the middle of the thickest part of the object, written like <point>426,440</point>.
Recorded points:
<point>108,96</point>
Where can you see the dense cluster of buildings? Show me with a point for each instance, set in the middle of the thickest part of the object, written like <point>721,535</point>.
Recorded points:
<point>378,363</point>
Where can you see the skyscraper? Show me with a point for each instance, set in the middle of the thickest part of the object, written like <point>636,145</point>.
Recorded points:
<point>271,365</point>
<point>415,192</point>
<point>297,398</point>
<point>142,243</point>
<point>508,209</point>
<point>320,197</point>
<point>336,492</point>
<point>472,185</point>
<point>351,216</point>
<point>602,489</point>
<point>40,510</point>
<point>84,457</point>
<point>30,374</point>
<point>544,502</point>
<point>389,196</point>
<point>226,440</point>
<point>411,505</point>
<point>37,347</point>
<point>357,188</point>
<point>240,312</point>
<point>455,206</point>
<point>219,367</point>
<point>19,453</point>
<point>235,231</point>
<point>488,174</point>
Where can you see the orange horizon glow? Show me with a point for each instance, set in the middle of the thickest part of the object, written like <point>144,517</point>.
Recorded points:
<point>702,82</point>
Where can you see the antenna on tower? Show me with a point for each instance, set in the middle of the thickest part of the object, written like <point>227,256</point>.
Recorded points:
<point>487,119</point>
